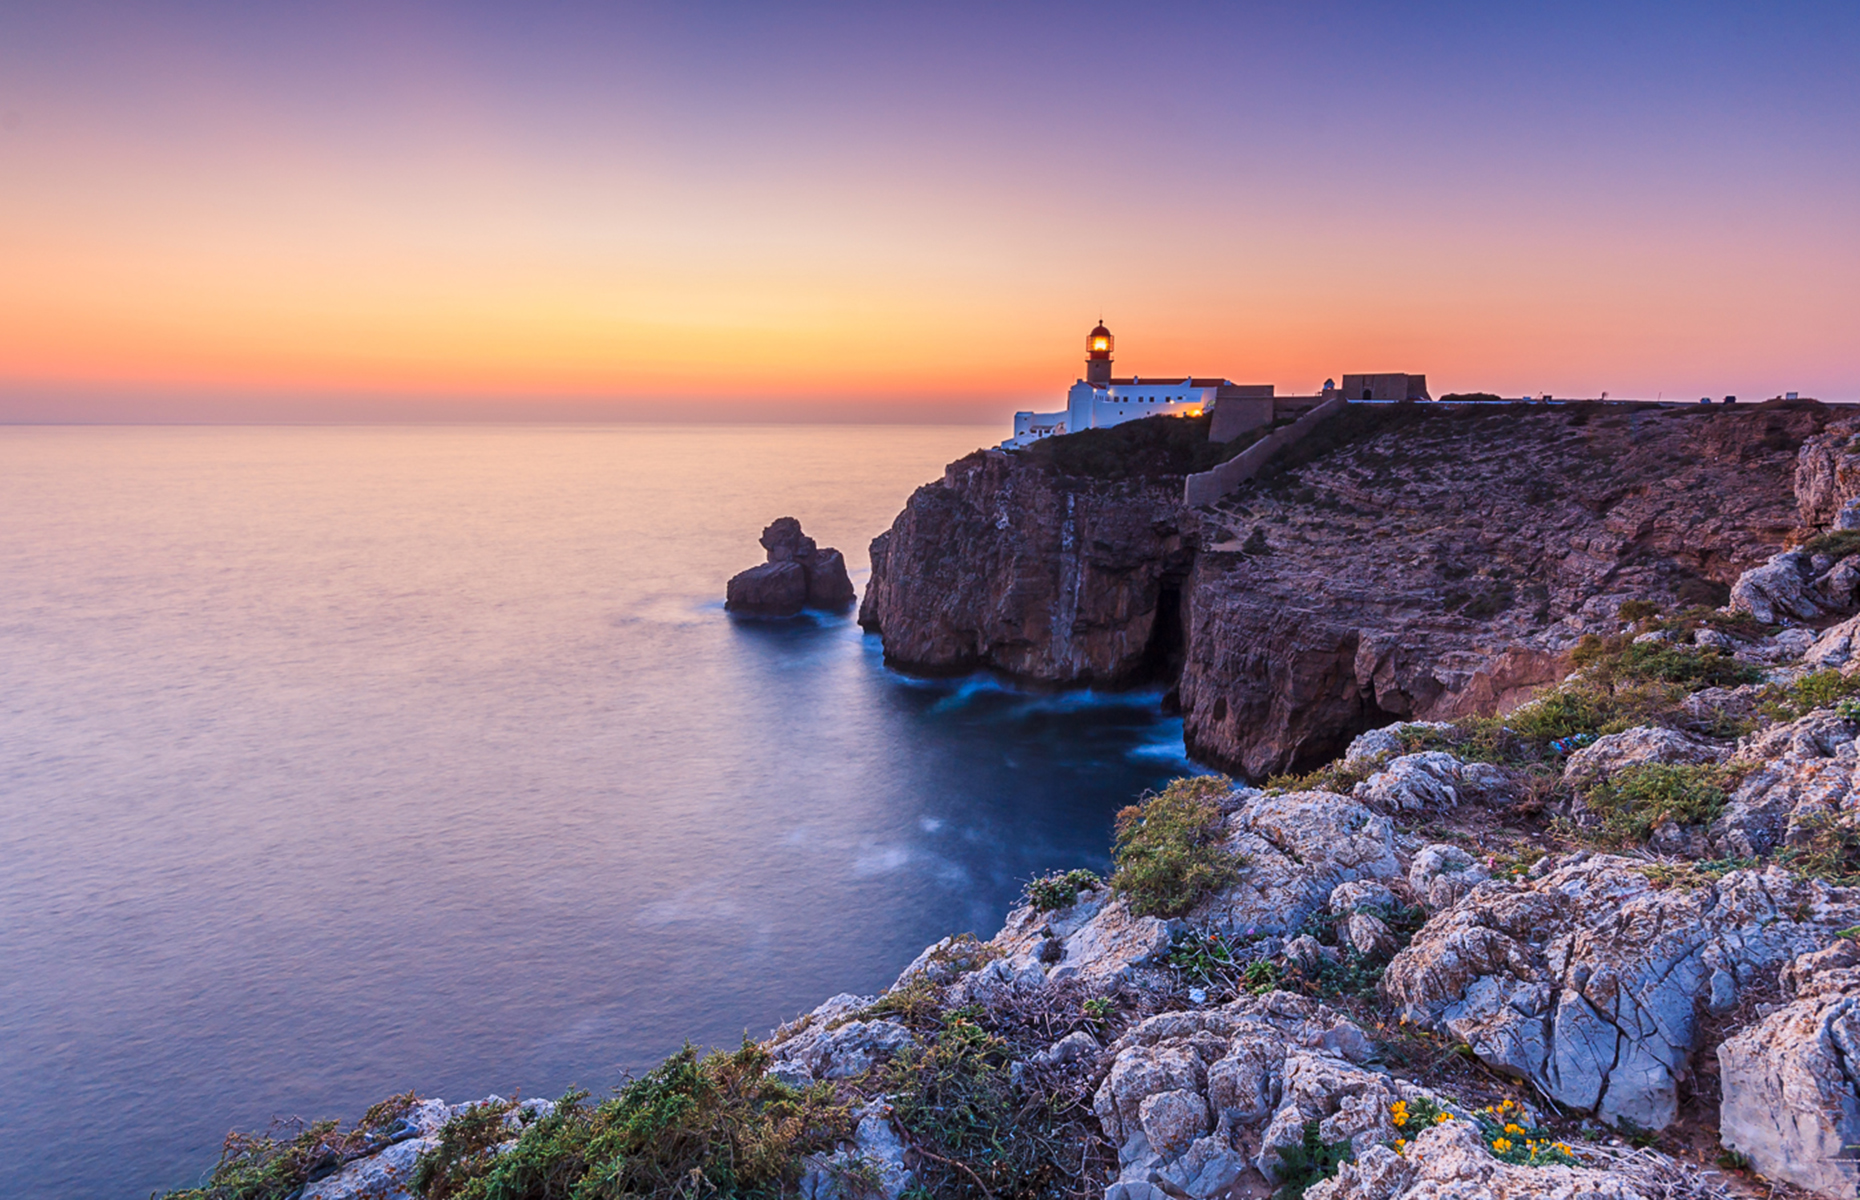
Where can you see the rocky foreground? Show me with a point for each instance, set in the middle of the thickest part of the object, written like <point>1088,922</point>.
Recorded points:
<point>1603,945</point>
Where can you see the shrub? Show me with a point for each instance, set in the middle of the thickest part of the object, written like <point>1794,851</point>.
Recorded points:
<point>1818,689</point>
<point>1309,1161</point>
<point>1689,876</point>
<point>277,1164</point>
<point>1824,847</point>
<point>1637,610</point>
<point>1836,544</point>
<point>1059,889</point>
<point>1169,849</point>
<point>690,1127</point>
<point>957,1102</point>
<point>1337,776</point>
<point>1687,665</point>
<point>1637,800</point>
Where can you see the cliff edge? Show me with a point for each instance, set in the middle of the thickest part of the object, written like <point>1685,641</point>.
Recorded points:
<point>1403,562</point>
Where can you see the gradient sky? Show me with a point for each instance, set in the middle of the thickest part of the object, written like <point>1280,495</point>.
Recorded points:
<point>379,210</point>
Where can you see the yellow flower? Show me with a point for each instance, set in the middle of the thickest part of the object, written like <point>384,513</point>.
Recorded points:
<point>1509,1128</point>
<point>1509,1104</point>
<point>1502,1145</point>
<point>1401,1145</point>
<point>1445,1116</point>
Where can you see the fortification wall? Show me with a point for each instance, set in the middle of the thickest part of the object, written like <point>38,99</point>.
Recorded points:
<point>1208,486</point>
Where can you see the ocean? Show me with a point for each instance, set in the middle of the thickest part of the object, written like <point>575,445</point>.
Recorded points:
<point>336,762</point>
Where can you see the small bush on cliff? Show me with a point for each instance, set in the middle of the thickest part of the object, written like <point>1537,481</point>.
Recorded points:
<point>1060,889</point>
<point>1820,689</point>
<point>1639,799</point>
<point>716,1126</point>
<point>1308,1162</point>
<point>1824,847</point>
<point>271,1166</point>
<point>1170,850</point>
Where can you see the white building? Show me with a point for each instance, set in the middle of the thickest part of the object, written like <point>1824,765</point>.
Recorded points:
<point>1099,401</point>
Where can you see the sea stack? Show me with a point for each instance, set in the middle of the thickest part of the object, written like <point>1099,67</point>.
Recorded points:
<point>797,575</point>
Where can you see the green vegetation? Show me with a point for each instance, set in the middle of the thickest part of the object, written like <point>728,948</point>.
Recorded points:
<point>1607,660</point>
<point>1308,1162</point>
<point>1638,799</point>
<point>1170,850</point>
<point>274,1165</point>
<point>1512,1141</point>
<point>1824,847</point>
<point>1060,889</point>
<point>1336,776</point>
<point>956,1099</point>
<point>1637,610</point>
<point>1151,447</point>
<point>715,1126</point>
<point>1471,398</point>
<point>1687,876</point>
<point>1820,689</point>
<point>1836,544</point>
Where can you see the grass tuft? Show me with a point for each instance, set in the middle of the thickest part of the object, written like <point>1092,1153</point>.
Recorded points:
<point>1170,849</point>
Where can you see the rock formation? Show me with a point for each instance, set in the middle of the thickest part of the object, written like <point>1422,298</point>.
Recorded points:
<point>1030,571</point>
<point>797,575</point>
<point>1791,1091</point>
<point>1403,563</point>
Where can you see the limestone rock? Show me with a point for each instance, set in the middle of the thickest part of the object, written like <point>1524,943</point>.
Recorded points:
<point>875,1154</point>
<point>1075,1047</point>
<point>833,1042</point>
<point>1413,782</point>
<point>1189,1094</point>
<point>1791,1092</point>
<point>1836,646</point>
<point>1449,1162</point>
<point>1298,847</point>
<point>1360,894</point>
<point>772,589</point>
<point>1633,747</point>
<point>797,575</point>
<point>1368,934</point>
<point>1441,874</point>
<point>1173,1119</point>
<point>388,1173</point>
<point>1777,589</point>
<point>1007,563</point>
<point>1591,982</point>
<point>1808,774</point>
<point>1827,478</point>
<point>1096,940</point>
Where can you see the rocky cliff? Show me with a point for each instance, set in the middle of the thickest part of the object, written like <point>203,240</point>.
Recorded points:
<point>1403,562</point>
<point>1607,948</point>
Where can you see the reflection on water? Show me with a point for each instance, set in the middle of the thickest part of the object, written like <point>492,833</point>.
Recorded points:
<point>337,762</point>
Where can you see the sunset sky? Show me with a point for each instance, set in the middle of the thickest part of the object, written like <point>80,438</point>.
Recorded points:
<point>261,211</point>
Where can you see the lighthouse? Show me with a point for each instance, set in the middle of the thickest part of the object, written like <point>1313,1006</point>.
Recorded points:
<point>1098,356</point>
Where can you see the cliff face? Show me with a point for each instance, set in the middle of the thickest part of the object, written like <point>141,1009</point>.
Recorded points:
<point>1009,565</point>
<point>1413,562</point>
<point>1429,563</point>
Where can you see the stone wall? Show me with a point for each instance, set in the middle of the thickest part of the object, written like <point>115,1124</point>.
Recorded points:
<point>1208,486</point>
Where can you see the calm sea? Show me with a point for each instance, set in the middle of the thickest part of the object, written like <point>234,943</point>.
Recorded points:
<point>336,762</point>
